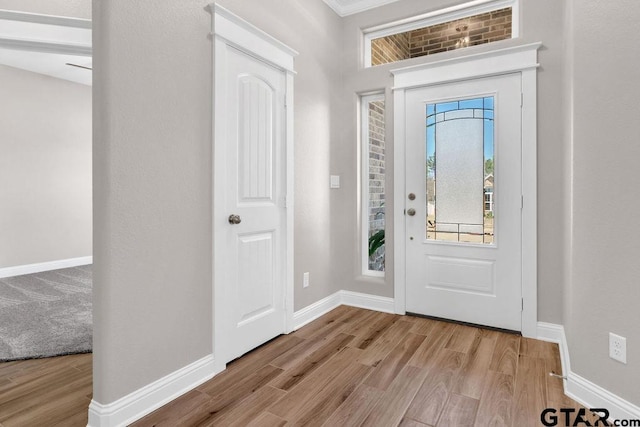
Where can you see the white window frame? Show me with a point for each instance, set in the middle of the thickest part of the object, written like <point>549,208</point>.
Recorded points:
<point>428,19</point>
<point>365,100</point>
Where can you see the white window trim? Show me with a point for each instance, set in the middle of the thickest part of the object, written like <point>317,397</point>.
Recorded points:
<point>524,60</point>
<point>365,100</point>
<point>428,19</point>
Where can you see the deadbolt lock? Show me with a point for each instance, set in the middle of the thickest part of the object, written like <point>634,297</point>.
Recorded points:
<point>412,196</point>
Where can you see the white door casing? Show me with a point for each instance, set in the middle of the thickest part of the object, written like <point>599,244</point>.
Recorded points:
<point>253,159</point>
<point>521,60</point>
<point>476,283</point>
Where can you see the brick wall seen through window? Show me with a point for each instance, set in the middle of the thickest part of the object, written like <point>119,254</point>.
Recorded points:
<point>474,30</point>
<point>376,184</point>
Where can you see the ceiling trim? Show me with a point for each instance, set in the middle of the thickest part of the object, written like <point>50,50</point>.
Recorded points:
<point>350,7</point>
<point>45,47</point>
<point>35,18</point>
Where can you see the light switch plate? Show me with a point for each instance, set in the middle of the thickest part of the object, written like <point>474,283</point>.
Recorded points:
<point>335,181</point>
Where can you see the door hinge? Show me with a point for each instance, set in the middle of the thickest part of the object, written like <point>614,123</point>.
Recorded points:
<point>521,99</point>
<point>285,100</point>
<point>522,306</point>
<point>522,202</point>
<point>285,202</point>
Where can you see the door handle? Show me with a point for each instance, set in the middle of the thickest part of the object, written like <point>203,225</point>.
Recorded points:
<point>234,219</point>
<point>411,212</point>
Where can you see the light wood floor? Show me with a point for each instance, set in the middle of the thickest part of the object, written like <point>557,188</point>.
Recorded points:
<point>351,367</point>
<point>46,392</point>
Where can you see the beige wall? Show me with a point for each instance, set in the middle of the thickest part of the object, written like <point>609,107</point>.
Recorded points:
<point>45,168</point>
<point>152,184</point>
<point>541,21</point>
<point>603,291</point>
<point>153,237</point>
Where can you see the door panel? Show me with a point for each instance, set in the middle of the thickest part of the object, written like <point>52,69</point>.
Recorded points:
<point>467,275</point>
<point>255,188</point>
<point>255,115</point>
<point>463,163</point>
<point>256,285</point>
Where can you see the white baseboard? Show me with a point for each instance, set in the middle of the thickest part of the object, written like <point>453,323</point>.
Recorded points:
<point>555,333</point>
<point>580,389</point>
<point>370,302</point>
<point>353,299</point>
<point>44,266</point>
<point>315,310</point>
<point>593,396</point>
<point>151,397</point>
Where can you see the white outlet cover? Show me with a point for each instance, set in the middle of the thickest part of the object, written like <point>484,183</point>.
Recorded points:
<point>618,348</point>
<point>305,280</point>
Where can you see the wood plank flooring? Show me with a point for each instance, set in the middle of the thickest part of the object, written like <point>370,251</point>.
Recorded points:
<point>46,392</point>
<point>355,367</point>
<point>351,367</point>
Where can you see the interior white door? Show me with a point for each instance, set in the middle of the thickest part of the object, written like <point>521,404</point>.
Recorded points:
<point>253,227</point>
<point>463,201</point>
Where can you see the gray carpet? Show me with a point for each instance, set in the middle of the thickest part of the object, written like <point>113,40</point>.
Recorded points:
<point>46,314</point>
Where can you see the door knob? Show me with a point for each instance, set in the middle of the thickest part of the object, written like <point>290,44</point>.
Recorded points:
<point>234,219</point>
<point>411,212</point>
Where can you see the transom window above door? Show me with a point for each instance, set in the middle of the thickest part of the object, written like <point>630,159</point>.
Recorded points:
<point>469,24</point>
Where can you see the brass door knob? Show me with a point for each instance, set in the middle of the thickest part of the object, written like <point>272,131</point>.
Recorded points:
<point>411,212</point>
<point>234,219</point>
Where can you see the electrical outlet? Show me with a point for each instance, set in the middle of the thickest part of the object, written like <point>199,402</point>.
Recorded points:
<point>305,280</point>
<point>618,348</point>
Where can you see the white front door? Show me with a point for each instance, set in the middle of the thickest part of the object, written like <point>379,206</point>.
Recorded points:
<point>251,229</point>
<point>463,201</point>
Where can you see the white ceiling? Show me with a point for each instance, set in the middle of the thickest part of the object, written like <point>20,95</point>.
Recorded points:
<point>46,44</point>
<point>349,7</point>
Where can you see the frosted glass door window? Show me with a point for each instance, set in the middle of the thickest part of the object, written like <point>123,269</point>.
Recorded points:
<point>460,163</point>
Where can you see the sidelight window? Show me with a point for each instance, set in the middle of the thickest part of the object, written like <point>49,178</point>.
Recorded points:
<point>373,183</point>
